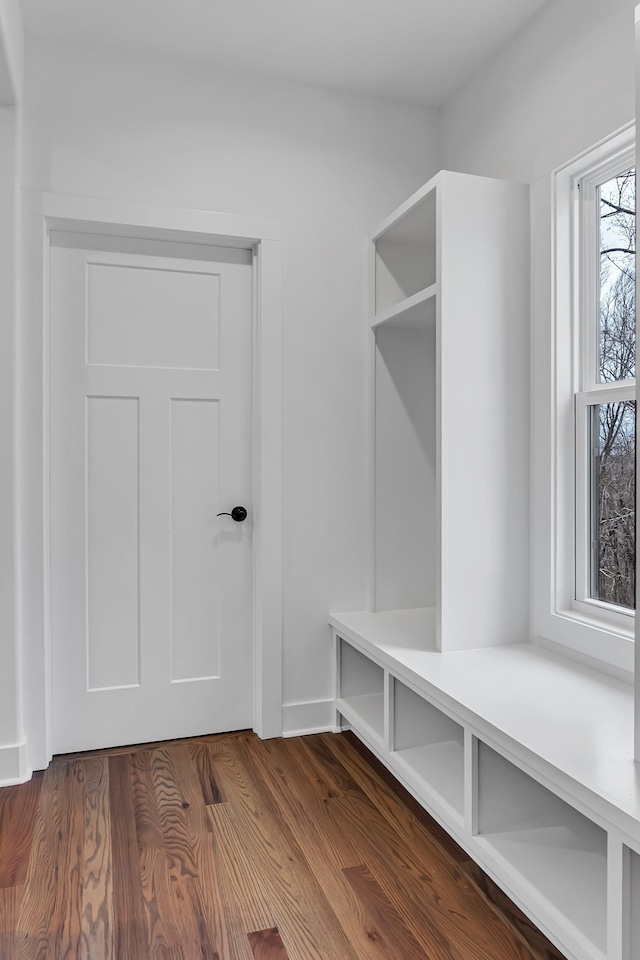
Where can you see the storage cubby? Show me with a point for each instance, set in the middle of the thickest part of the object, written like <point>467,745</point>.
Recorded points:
<point>361,690</point>
<point>405,255</point>
<point>546,843</point>
<point>449,313</point>
<point>429,744</point>
<point>405,468</point>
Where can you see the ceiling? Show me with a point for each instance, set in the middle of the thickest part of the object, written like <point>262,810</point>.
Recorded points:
<point>416,50</point>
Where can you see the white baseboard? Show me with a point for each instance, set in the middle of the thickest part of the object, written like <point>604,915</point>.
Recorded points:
<point>312,716</point>
<point>14,767</point>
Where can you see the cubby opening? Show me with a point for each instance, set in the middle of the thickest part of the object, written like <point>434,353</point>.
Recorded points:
<point>554,848</point>
<point>430,745</point>
<point>361,689</point>
<point>405,257</point>
<point>405,504</point>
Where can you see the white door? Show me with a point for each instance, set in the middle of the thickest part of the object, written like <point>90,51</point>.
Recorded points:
<point>150,393</point>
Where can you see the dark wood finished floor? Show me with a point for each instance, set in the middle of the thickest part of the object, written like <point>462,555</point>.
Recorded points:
<point>230,848</point>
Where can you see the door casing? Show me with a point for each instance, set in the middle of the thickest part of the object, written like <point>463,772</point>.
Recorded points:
<point>47,212</point>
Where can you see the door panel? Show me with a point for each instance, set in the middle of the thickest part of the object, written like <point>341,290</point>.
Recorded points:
<point>195,566</point>
<point>150,439</point>
<point>112,542</point>
<point>142,316</point>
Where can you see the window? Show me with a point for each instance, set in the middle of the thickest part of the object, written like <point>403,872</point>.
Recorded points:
<point>605,418</point>
<point>583,403</point>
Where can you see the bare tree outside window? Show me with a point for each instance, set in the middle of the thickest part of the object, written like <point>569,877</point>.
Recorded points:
<point>613,428</point>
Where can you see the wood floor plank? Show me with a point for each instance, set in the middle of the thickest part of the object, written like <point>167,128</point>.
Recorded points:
<point>384,925</point>
<point>163,940</point>
<point>18,806</point>
<point>304,804</point>
<point>97,941</point>
<point>204,889</point>
<point>167,936</point>
<point>50,922</point>
<point>165,844</point>
<point>207,774</point>
<point>130,933</point>
<point>268,945</point>
<point>244,898</point>
<point>325,770</point>
<point>178,839</point>
<point>244,901</point>
<point>145,804</point>
<point>10,902</point>
<point>298,902</point>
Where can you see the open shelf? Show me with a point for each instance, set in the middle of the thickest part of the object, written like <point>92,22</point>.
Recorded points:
<point>361,691</point>
<point>415,312</point>
<point>429,745</point>
<point>405,253</point>
<point>547,844</point>
<point>365,710</point>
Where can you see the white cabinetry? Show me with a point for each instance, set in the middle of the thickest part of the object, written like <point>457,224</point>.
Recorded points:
<point>449,317</point>
<point>524,757</point>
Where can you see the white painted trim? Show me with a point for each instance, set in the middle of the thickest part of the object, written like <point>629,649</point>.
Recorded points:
<point>93,213</point>
<point>618,874</point>
<point>10,658</point>
<point>13,764</point>
<point>49,211</point>
<point>370,488</point>
<point>471,782</point>
<point>554,351</point>
<point>312,716</point>
<point>267,467</point>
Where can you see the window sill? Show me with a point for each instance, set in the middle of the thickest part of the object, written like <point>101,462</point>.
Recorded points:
<point>589,638</point>
<point>602,615</point>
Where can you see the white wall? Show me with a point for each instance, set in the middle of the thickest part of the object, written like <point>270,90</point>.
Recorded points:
<point>328,166</point>
<point>565,81</point>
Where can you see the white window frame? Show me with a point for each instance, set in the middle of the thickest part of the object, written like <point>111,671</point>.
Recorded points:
<point>589,390</point>
<point>591,630</point>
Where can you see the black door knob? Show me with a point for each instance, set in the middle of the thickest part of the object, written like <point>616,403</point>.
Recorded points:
<point>238,514</point>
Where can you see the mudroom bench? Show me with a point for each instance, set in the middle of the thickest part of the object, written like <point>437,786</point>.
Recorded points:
<point>525,758</point>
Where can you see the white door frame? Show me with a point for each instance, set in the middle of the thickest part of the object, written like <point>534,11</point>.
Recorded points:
<point>47,212</point>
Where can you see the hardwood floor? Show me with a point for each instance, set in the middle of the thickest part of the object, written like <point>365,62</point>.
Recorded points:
<point>231,848</point>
